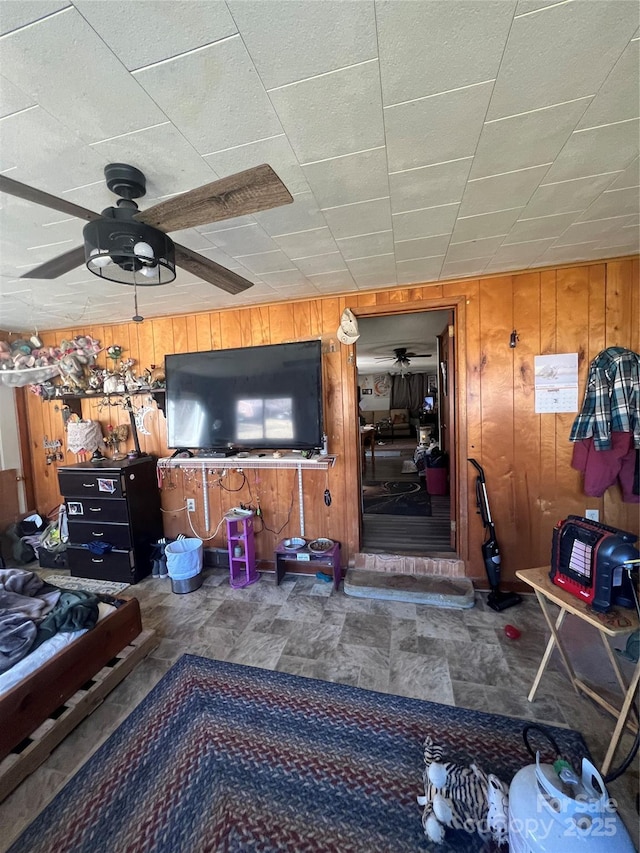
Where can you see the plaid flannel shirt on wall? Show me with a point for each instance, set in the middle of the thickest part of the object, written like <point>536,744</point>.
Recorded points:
<point>611,400</point>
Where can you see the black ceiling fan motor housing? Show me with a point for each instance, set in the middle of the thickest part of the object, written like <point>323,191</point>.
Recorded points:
<point>125,181</point>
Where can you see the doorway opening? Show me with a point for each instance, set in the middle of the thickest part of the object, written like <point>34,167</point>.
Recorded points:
<point>406,381</point>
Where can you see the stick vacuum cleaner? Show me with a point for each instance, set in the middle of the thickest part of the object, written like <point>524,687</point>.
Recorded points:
<point>497,599</point>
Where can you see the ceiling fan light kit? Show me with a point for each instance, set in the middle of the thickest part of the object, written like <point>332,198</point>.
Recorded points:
<point>122,250</point>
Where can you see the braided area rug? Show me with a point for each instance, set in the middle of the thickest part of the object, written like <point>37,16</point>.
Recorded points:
<point>222,757</point>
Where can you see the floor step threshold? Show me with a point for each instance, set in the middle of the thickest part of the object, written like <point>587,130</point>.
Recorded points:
<point>444,592</point>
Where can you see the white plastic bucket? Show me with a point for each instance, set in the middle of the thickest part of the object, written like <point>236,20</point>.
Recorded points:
<point>184,558</point>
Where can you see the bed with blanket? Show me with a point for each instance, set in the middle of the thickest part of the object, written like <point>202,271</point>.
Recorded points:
<point>61,652</point>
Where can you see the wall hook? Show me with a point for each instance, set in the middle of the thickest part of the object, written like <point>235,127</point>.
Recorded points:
<point>513,339</point>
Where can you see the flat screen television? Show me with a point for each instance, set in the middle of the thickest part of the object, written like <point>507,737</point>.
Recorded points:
<point>248,398</point>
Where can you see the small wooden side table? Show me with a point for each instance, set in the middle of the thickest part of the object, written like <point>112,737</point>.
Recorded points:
<point>547,591</point>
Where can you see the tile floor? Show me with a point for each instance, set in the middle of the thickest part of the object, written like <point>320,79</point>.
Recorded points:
<point>306,628</point>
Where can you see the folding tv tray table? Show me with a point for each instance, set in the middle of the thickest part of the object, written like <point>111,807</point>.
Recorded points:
<point>546,591</point>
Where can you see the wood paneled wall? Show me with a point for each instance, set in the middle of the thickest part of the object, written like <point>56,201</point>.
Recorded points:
<point>531,484</point>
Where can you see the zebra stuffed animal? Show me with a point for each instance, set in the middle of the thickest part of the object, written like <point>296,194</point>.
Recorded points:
<point>461,798</point>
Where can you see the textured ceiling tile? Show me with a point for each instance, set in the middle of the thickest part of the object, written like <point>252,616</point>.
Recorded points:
<point>345,180</point>
<point>600,149</point>
<point>14,15</point>
<point>522,253</point>
<point>318,241</point>
<point>226,224</point>
<point>156,30</point>
<point>266,262</point>
<point>614,203</point>
<point>21,145</point>
<point>484,225</point>
<point>561,68</point>
<point>302,215</point>
<point>277,35</point>
<point>431,222</point>
<point>334,281</point>
<point>428,186</point>
<point>437,128</point>
<point>90,92</point>
<point>584,232</point>
<point>565,254</point>
<point>629,178</point>
<point>284,278</point>
<point>333,262</point>
<point>245,240</point>
<point>525,140</point>
<point>619,97</point>
<point>366,245</point>
<point>383,264</point>
<point>12,98</point>
<point>217,255</point>
<point>421,269</point>
<point>364,217</point>
<point>277,152</point>
<point>376,279</point>
<point>424,247</point>
<point>539,229</point>
<point>498,192</point>
<point>566,196</point>
<point>193,239</point>
<point>628,237</point>
<point>228,107</point>
<point>473,249</point>
<point>432,47</point>
<point>472,266</point>
<point>169,162</point>
<point>333,114</point>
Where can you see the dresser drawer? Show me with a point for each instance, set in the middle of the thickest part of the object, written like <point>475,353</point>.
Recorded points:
<point>114,566</point>
<point>107,484</point>
<point>118,535</point>
<point>97,509</point>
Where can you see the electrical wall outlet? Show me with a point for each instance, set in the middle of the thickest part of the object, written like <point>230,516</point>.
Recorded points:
<point>191,504</point>
<point>592,514</point>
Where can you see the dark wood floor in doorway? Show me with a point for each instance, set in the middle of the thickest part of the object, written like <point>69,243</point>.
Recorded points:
<point>398,534</point>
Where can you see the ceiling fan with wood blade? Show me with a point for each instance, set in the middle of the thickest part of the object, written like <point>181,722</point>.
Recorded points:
<point>131,246</point>
<point>402,356</point>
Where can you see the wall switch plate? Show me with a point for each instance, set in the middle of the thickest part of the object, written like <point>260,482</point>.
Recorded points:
<point>592,514</point>
<point>191,504</point>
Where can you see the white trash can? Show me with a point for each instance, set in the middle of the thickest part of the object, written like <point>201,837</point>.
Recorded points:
<point>184,564</point>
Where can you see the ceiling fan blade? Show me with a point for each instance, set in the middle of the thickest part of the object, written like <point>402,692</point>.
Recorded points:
<point>210,271</point>
<point>58,266</point>
<point>11,187</point>
<point>245,192</point>
<point>419,354</point>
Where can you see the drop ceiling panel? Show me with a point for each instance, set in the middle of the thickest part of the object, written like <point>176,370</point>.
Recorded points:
<point>302,215</point>
<point>599,229</point>
<point>366,245</point>
<point>420,269</point>
<point>334,114</point>
<point>513,189</point>
<point>345,180</point>
<point>334,282</point>
<point>472,266</point>
<point>437,128</point>
<point>617,100</point>
<point>525,140</point>
<point>378,279</point>
<point>601,149</point>
<point>317,241</point>
<point>14,15</point>
<point>442,183</point>
<point>227,107</point>
<point>566,196</point>
<point>432,222</point>
<point>91,93</point>
<point>424,247</point>
<point>473,249</point>
<point>484,225</point>
<point>364,217</point>
<point>383,264</point>
<point>520,254</point>
<point>426,48</point>
<point>530,79</point>
<point>262,262</point>
<point>540,228</point>
<point>333,262</point>
<point>284,278</point>
<point>246,240</point>
<point>614,203</point>
<point>276,151</point>
<point>277,36</point>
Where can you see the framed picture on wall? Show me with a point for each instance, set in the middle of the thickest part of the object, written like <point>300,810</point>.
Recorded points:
<point>367,391</point>
<point>432,384</point>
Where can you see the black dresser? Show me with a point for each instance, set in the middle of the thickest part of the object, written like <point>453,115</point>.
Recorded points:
<point>116,503</point>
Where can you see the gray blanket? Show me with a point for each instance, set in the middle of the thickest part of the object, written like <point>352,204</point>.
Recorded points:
<point>25,600</point>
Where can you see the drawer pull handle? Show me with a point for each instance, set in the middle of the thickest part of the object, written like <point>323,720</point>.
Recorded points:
<point>95,509</point>
<point>93,560</point>
<point>89,485</point>
<point>93,533</point>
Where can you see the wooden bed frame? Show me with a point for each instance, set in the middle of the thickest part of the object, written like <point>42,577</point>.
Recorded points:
<point>40,711</point>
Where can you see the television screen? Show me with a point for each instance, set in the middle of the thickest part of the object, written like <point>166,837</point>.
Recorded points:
<point>254,397</point>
